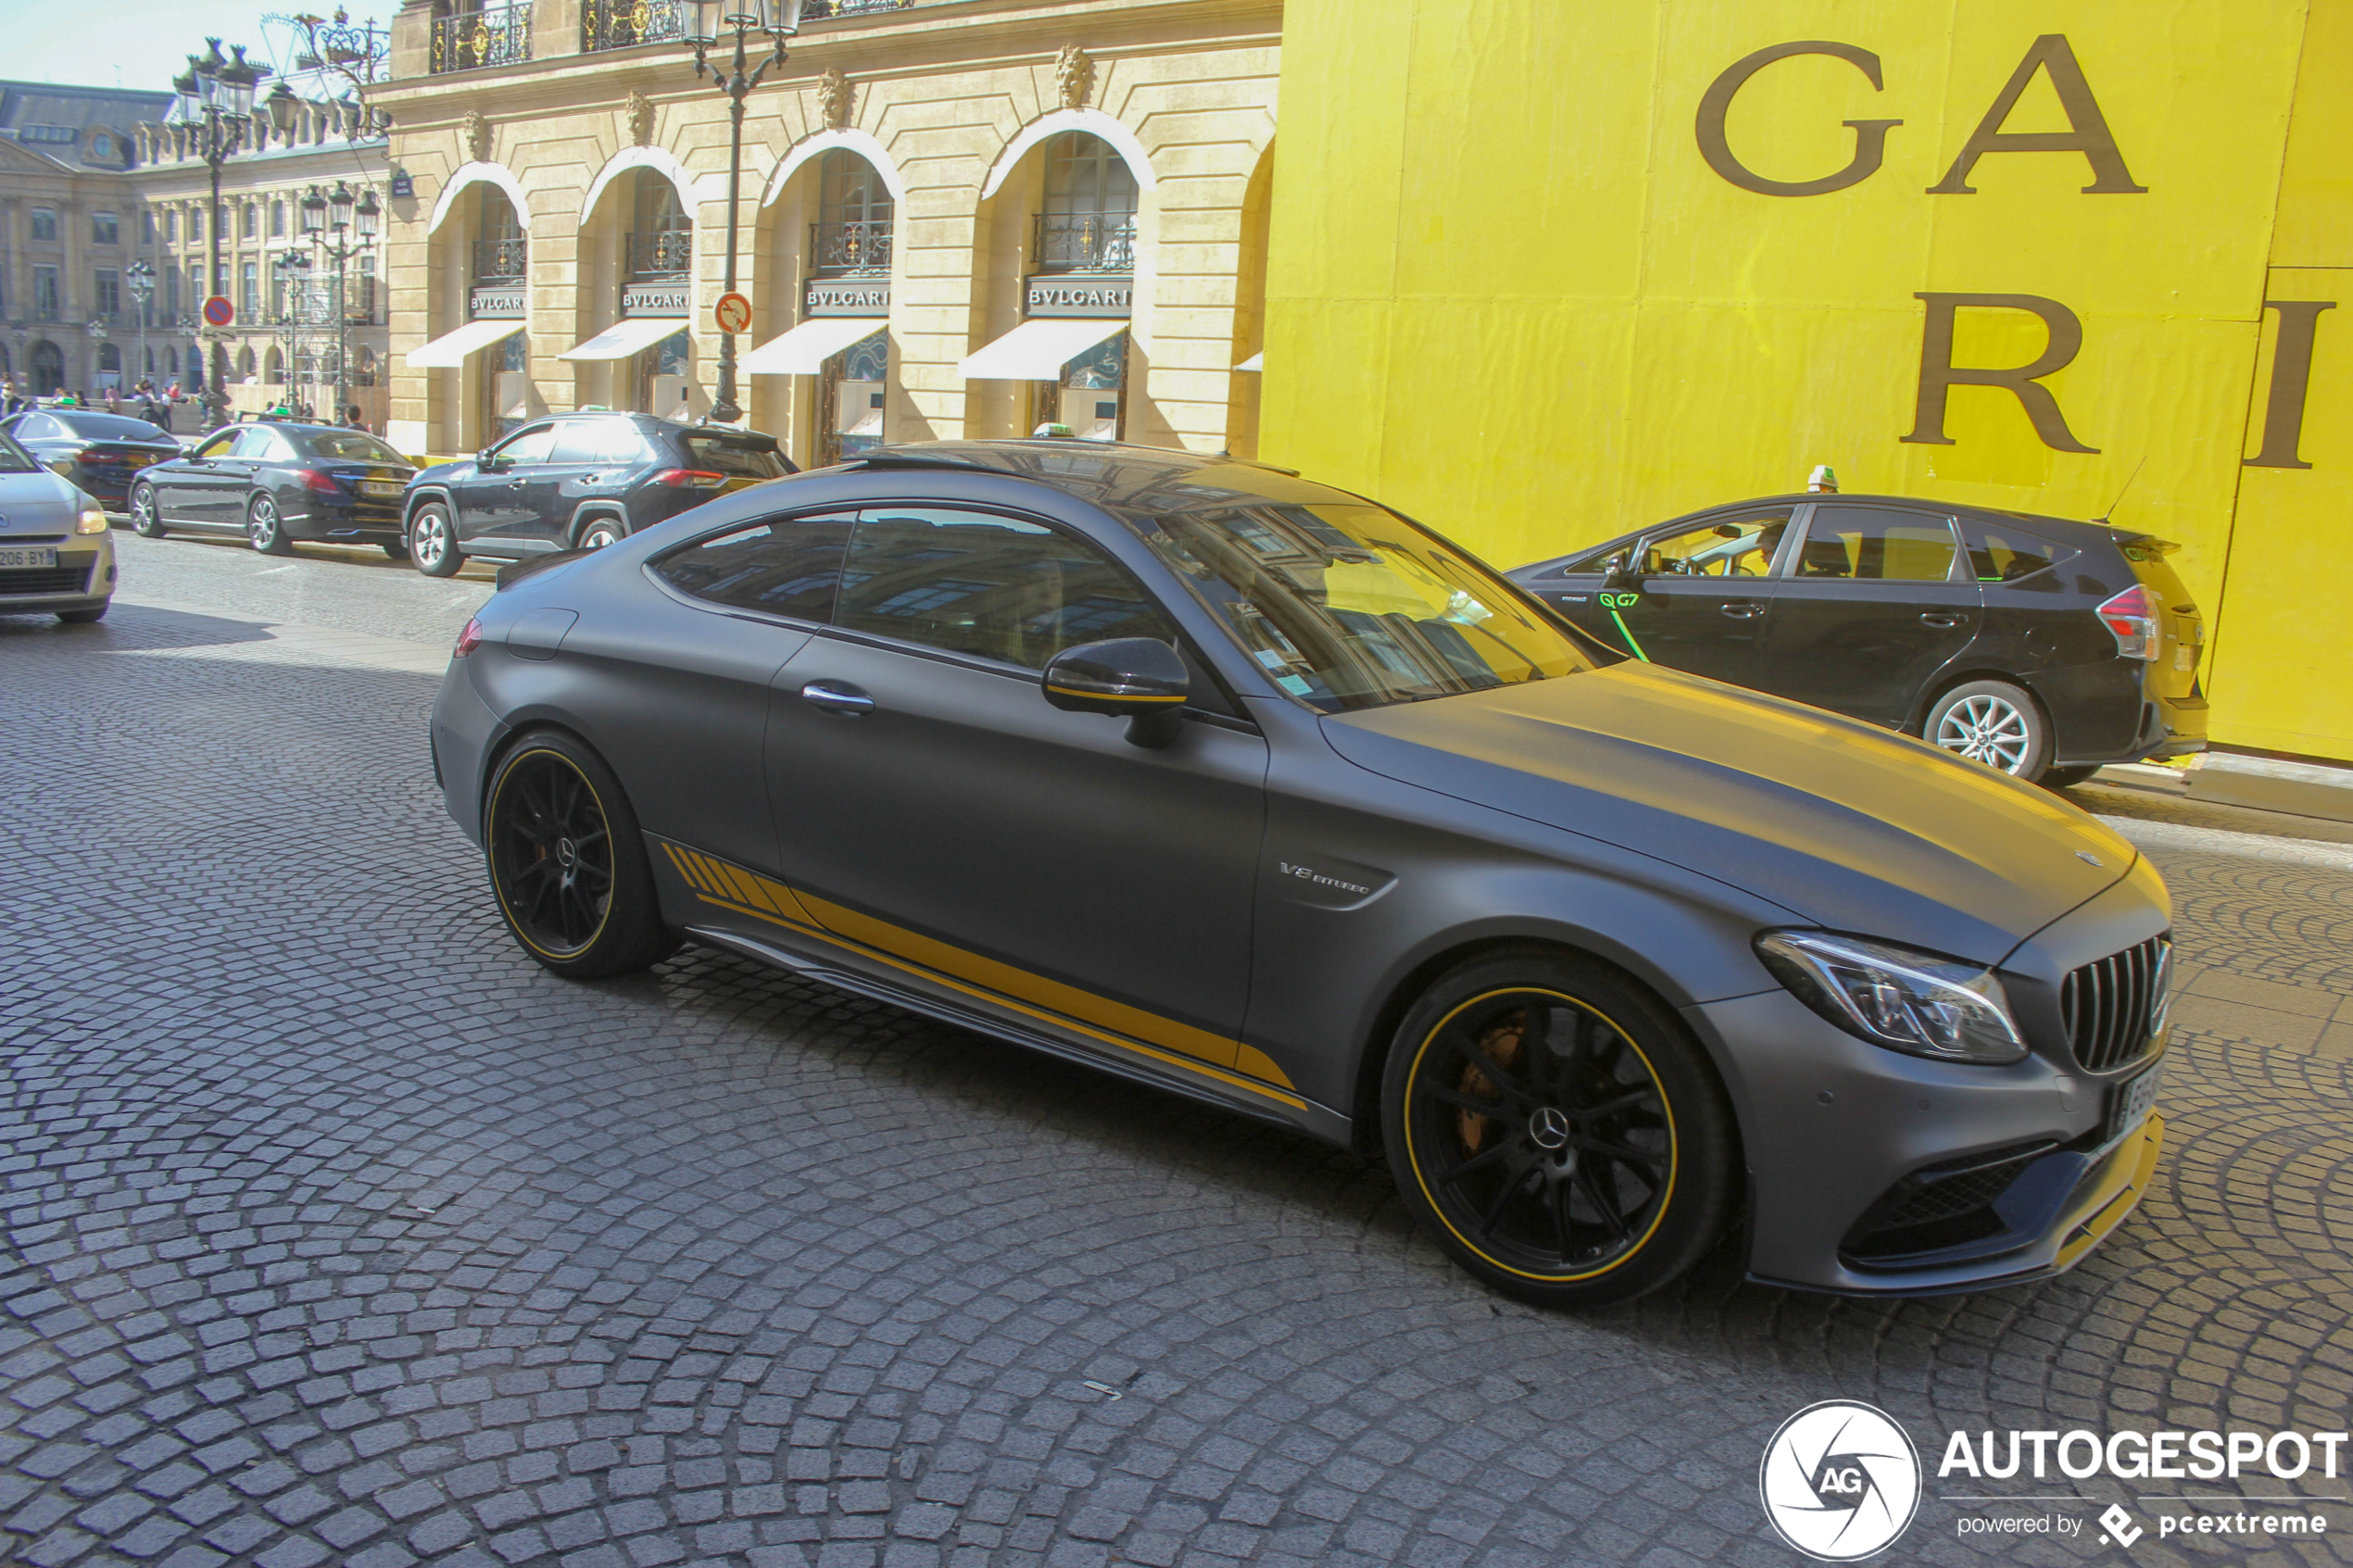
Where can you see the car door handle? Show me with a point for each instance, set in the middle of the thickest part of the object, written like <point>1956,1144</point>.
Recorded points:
<point>837,696</point>
<point>1942,617</point>
<point>1743,609</point>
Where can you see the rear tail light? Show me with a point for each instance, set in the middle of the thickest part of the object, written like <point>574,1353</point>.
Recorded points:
<point>690,479</point>
<point>2131,619</point>
<point>467,639</point>
<point>313,480</point>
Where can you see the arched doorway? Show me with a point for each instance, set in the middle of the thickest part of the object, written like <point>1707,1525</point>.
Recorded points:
<point>821,382</point>
<point>48,365</point>
<point>635,296</point>
<point>110,364</point>
<point>474,380</point>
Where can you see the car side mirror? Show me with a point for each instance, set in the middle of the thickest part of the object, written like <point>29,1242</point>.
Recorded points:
<point>1142,680</point>
<point>487,463</point>
<point>1616,578</point>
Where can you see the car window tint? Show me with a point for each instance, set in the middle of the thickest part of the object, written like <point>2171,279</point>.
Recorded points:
<point>1870,543</point>
<point>255,442</point>
<point>1728,547</point>
<point>531,446</point>
<point>352,447</point>
<point>735,458</point>
<point>111,427</point>
<point>219,445</point>
<point>790,566</point>
<point>579,441</point>
<point>973,584</point>
<point>618,441</point>
<point>2002,554</point>
<point>37,427</point>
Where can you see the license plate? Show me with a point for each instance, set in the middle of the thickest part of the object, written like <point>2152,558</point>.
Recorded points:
<point>2131,1104</point>
<point>27,555</point>
<point>381,488</point>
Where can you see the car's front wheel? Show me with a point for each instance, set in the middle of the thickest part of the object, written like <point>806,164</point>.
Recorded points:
<point>265,530</point>
<point>1993,722</point>
<point>432,546</point>
<point>1557,1132</point>
<point>602,531</point>
<point>567,863</point>
<point>145,522</point>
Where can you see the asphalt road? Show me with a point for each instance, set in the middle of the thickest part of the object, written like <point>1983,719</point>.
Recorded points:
<point>337,1232</point>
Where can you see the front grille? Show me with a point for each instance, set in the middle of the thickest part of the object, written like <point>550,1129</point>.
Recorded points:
<point>44,580</point>
<point>2112,1006</point>
<point>1947,1204</point>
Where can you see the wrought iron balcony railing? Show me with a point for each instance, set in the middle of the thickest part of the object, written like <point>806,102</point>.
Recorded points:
<point>623,24</point>
<point>1085,241</point>
<point>854,248</point>
<point>661,255</point>
<point>500,261</point>
<point>817,10</point>
<point>496,35</point>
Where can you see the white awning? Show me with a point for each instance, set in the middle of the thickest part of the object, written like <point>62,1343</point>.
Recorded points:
<point>1256,362</point>
<point>450,349</point>
<point>625,338</point>
<point>804,350</point>
<point>1038,349</point>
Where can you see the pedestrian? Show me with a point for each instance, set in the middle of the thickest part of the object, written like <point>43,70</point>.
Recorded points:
<point>9,401</point>
<point>353,421</point>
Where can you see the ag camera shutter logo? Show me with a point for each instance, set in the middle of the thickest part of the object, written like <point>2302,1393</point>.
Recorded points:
<point>1840,1481</point>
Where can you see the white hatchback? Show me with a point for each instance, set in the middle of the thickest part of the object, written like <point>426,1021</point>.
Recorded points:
<point>56,556</point>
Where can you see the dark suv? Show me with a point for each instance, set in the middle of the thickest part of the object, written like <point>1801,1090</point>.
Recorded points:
<point>2037,646</point>
<point>576,482</point>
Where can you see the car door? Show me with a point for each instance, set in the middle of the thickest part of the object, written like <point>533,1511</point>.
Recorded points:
<point>929,804</point>
<point>489,502</point>
<point>1703,596</point>
<point>204,493</point>
<point>553,489</point>
<point>1872,603</point>
<point>178,483</point>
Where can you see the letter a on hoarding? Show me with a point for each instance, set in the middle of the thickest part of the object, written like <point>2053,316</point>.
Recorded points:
<point>2089,136</point>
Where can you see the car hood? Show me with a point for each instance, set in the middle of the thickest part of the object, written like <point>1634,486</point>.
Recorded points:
<point>1846,826</point>
<point>37,502</point>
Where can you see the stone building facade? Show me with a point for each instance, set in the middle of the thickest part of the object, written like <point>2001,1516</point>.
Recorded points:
<point>965,218</point>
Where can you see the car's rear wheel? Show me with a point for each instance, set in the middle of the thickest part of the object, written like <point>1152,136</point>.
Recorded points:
<point>432,546</point>
<point>145,522</point>
<point>601,531</point>
<point>567,864</point>
<point>265,530</point>
<point>1993,722</point>
<point>1557,1132</point>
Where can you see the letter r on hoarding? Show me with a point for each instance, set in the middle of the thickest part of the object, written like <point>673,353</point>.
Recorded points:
<point>1939,375</point>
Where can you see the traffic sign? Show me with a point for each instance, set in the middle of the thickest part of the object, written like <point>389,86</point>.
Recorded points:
<point>218,311</point>
<point>732,313</point>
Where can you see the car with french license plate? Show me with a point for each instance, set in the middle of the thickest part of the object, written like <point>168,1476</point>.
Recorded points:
<point>100,454</point>
<point>277,483</point>
<point>1198,772</point>
<point>55,555</point>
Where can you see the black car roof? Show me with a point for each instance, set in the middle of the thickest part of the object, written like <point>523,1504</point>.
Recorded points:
<point>1118,476</point>
<point>2059,530</point>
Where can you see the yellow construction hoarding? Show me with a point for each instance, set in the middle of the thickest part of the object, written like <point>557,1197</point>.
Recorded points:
<point>1545,271</point>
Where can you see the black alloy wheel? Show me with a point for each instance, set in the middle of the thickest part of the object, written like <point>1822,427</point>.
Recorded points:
<point>265,531</point>
<point>1557,1132</point>
<point>567,864</point>
<point>433,543</point>
<point>145,522</point>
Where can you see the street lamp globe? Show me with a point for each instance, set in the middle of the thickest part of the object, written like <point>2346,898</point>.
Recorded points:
<point>702,21</point>
<point>142,283</point>
<point>208,74</point>
<point>341,201</point>
<point>284,107</point>
<point>237,83</point>
<point>781,18</point>
<point>370,212</point>
<point>314,212</point>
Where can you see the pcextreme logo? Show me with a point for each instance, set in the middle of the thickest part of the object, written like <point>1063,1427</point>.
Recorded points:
<point>1840,1480</point>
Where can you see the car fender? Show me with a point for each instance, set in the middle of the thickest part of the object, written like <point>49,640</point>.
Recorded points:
<point>418,496</point>
<point>588,512</point>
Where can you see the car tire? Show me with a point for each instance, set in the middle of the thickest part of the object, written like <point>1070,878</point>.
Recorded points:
<point>433,543</point>
<point>1611,1164</point>
<point>567,864</point>
<point>1993,723</point>
<point>396,549</point>
<point>82,617</point>
<point>2068,778</point>
<point>265,530</point>
<point>145,522</point>
<point>599,532</point>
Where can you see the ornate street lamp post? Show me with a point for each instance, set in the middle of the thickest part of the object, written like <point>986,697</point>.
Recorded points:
<point>294,268</point>
<point>338,213</point>
<point>779,20</point>
<point>217,95</point>
<point>143,289</point>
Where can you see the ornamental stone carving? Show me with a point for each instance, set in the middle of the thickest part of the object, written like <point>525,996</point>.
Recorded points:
<point>834,99</point>
<point>637,114</point>
<point>477,135</point>
<point>1074,75</point>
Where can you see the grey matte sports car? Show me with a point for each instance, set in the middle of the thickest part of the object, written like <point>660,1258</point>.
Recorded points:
<point>1195,771</point>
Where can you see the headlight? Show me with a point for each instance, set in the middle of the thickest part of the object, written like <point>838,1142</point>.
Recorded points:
<point>92,520</point>
<point>1895,997</point>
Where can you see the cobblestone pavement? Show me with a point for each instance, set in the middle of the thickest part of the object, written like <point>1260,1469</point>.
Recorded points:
<point>339,1233</point>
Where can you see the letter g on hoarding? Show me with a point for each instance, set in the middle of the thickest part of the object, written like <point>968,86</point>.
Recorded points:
<point>1840,1481</point>
<point>1871,135</point>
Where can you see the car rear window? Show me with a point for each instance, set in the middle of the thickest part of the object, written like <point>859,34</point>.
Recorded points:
<point>732,456</point>
<point>789,565</point>
<point>112,427</point>
<point>352,447</point>
<point>2004,555</point>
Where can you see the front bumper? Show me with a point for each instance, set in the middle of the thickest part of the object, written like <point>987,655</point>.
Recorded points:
<point>82,579</point>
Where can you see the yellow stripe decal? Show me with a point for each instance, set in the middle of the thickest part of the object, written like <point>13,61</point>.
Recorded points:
<point>1117,696</point>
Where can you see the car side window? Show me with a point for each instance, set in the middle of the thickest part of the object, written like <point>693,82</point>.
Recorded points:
<point>788,566</point>
<point>2002,554</point>
<point>531,446</point>
<point>218,446</point>
<point>1740,546</point>
<point>36,427</point>
<point>995,587</point>
<point>580,441</point>
<point>254,442</point>
<point>1874,544</point>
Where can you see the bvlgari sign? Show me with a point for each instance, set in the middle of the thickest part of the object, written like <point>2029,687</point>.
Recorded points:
<point>1093,293</point>
<point>497,305</point>
<point>846,296</point>
<point>654,299</point>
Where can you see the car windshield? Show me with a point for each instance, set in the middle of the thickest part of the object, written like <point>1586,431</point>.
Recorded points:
<point>1350,606</point>
<point>13,458</point>
<point>112,427</point>
<point>351,446</point>
<point>732,456</point>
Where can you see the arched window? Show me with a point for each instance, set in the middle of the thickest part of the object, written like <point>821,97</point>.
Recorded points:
<point>364,371</point>
<point>246,365</point>
<point>150,368</point>
<point>109,359</point>
<point>854,216</point>
<point>171,359</point>
<point>275,367</point>
<point>500,254</point>
<point>48,368</point>
<point>1089,224</point>
<point>661,240</point>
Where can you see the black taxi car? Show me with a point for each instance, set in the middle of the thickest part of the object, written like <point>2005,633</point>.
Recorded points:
<point>100,453</point>
<point>2034,645</point>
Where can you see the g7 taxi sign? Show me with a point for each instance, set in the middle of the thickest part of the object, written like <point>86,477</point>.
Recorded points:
<point>733,312</point>
<point>218,311</point>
